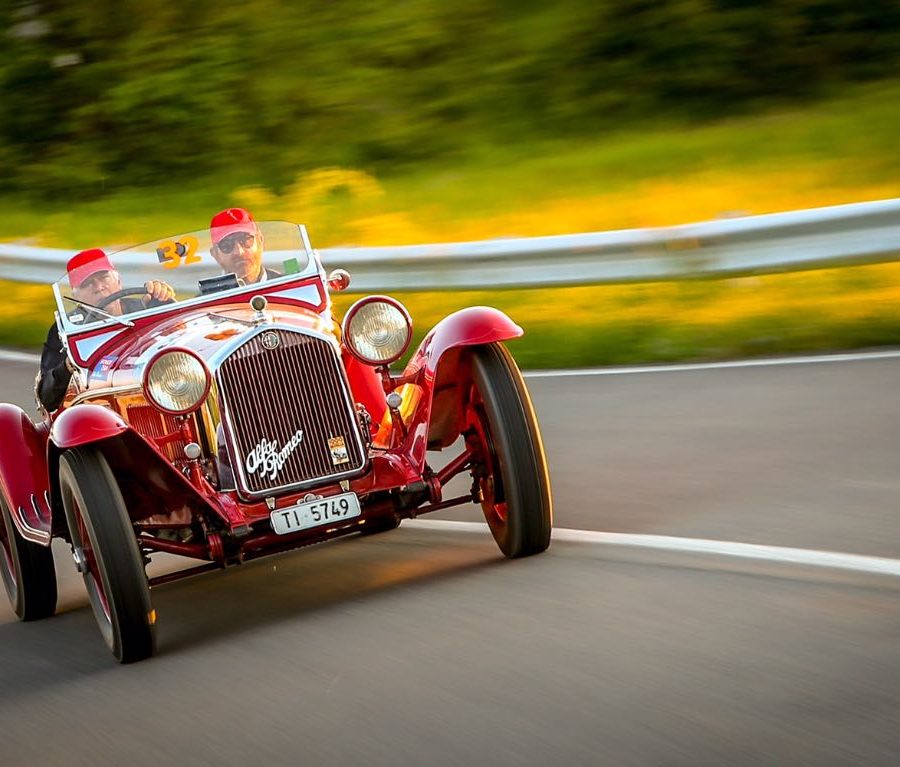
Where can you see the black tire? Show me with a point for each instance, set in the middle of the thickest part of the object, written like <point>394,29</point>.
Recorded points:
<point>512,471</point>
<point>113,568</point>
<point>28,571</point>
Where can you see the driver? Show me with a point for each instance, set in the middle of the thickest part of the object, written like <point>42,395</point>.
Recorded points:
<point>93,278</point>
<point>237,245</point>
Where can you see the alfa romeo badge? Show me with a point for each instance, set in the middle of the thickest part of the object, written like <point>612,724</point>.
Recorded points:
<point>270,340</point>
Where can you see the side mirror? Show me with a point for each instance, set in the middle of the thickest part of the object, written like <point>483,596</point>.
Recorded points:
<point>339,280</point>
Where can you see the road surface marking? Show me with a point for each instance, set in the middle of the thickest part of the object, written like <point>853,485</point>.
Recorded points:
<point>755,363</point>
<point>11,356</point>
<point>781,554</point>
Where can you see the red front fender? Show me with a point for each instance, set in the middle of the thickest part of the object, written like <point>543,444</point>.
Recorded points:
<point>84,424</point>
<point>150,484</point>
<point>431,401</point>
<point>467,327</point>
<point>23,473</point>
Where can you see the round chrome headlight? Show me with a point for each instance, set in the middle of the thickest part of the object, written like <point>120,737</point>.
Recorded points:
<point>176,381</point>
<point>377,329</point>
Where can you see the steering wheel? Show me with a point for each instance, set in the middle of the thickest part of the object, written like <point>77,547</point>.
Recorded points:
<point>121,294</point>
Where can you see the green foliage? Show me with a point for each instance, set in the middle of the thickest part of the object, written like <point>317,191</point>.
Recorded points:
<point>125,93</point>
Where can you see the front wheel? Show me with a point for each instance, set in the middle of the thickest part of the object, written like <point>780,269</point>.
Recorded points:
<point>107,554</point>
<point>509,464</point>
<point>27,569</point>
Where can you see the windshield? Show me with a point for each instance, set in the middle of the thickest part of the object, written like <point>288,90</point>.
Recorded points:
<point>195,265</point>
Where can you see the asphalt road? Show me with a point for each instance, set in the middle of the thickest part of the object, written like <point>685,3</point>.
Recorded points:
<point>423,646</point>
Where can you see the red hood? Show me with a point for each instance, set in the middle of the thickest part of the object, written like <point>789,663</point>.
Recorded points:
<point>205,331</point>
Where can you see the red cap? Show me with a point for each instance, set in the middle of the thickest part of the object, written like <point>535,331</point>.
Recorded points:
<point>229,221</point>
<point>82,265</point>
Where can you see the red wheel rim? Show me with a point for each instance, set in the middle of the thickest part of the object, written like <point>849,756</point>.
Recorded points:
<point>92,578</point>
<point>486,465</point>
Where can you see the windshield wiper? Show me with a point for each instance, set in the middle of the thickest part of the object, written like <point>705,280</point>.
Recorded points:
<point>94,309</point>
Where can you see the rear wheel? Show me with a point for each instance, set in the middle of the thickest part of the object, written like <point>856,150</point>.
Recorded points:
<point>107,554</point>
<point>510,468</point>
<point>27,570</point>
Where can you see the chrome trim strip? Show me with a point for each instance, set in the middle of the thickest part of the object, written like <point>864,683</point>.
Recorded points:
<point>101,393</point>
<point>37,536</point>
<point>304,235</point>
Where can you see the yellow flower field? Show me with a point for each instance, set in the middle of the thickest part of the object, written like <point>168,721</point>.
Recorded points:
<point>698,319</point>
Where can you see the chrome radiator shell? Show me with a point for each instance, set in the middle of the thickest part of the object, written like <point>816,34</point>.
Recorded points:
<point>265,393</point>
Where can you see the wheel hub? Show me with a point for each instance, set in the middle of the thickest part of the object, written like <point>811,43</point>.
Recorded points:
<point>484,465</point>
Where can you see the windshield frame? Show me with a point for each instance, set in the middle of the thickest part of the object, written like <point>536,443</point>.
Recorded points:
<point>67,327</point>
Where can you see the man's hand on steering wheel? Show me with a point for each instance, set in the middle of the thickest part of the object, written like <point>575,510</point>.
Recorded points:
<point>158,291</point>
<point>153,290</point>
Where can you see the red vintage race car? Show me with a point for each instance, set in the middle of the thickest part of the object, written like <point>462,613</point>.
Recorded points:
<point>239,420</point>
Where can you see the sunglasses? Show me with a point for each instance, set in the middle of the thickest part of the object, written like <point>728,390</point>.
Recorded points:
<point>228,245</point>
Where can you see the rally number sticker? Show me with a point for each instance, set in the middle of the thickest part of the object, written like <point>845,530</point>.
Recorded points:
<point>175,253</point>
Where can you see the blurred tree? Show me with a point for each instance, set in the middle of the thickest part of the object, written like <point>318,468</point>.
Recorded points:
<point>704,57</point>
<point>132,92</point>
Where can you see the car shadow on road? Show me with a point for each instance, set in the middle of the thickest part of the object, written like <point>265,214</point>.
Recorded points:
<point>214,607</point>
<point>311,581</point>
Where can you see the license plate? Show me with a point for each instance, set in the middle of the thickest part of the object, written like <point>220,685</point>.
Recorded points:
<point>325,511</point>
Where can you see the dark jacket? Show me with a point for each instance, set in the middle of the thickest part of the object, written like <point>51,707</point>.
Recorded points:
<point>55,376</point>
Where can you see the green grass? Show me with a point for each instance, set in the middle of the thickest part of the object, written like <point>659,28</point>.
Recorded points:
<point>837,151</point>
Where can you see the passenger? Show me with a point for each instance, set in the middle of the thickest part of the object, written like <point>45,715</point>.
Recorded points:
<point>93,278</point>
<point>237,246</point>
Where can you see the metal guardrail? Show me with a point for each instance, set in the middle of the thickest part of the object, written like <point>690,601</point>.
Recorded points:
<point>806,239</point>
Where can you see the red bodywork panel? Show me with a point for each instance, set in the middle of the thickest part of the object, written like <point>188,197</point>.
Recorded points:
<point>468,327</point>
<point>144,474</point>
<point>85,424</point>
<point>23,473</point>
<point>365,383</point>
<point>433,397</point>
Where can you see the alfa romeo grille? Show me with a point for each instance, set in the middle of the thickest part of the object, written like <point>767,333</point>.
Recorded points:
<point>290,418</point>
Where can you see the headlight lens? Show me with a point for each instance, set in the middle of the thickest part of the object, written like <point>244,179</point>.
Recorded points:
<point>176,382</point>
<point>377,329</point>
